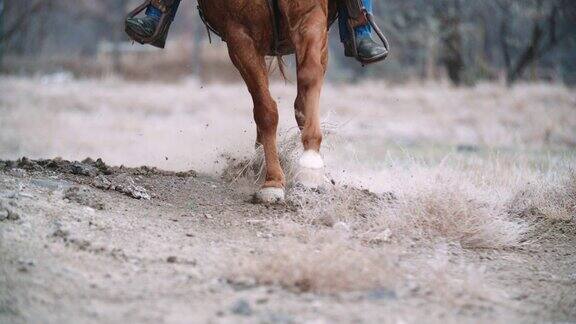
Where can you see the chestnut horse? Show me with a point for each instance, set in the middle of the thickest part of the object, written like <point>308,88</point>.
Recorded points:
<point>247,27</point>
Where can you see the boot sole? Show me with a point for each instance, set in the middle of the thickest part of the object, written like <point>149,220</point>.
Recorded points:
<point>373,59</point>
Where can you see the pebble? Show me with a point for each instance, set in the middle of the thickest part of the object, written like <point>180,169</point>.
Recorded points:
<point>17,172</point>
<point>382,294</point>
<point>83,169</point>
<point>278,318</point>
<point>7,212</point>
<point>50,184</point>
<point>171,259</point>
<point>241,307</point>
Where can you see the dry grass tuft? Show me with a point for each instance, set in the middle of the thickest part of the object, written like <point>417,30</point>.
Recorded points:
<point>554,200</point>
<point>328,263</point>
<point>450,210</point>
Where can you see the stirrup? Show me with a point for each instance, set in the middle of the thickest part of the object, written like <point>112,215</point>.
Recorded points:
<point>368,17</point>
<point>166,7</point>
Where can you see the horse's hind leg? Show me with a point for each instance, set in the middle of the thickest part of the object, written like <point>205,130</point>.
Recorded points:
<point>252,67</point>
<point>311,42</point>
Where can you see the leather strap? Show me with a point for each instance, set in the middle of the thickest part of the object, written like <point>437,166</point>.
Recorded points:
<point>275,17</point>
<point>163,5</point>
<point>209,28</point>
<point>356,12</point>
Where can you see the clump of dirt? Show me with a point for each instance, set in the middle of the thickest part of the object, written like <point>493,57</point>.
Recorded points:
<point>122,183</point>
<point>8,211</point>
<point>87,167</point>
<point>83,196</point>
<point>127,186</point>
<point>93,173</point>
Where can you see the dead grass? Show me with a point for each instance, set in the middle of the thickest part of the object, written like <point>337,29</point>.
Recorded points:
<point>415,233</point>
<point>327,263</point>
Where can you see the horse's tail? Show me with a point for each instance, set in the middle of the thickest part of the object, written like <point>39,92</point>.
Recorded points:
<point>282,67</point>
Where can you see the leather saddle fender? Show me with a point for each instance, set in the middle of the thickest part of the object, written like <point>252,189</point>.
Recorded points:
<point>356,12</point>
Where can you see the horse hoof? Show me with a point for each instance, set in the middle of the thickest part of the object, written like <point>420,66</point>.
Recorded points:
<point>270,195</point>
<point>310,173</point>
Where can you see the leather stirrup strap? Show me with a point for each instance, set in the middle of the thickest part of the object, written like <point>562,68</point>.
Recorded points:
<point>356,12</point>
<point>209,28</point>
<point>275,19</point>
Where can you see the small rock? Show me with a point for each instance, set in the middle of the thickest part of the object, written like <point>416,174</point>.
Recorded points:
<point>187,174</point>
<point>103,167</point>
<point>25,265</point>
<point>9,194</point>
<point>262,300</point>
<point>241,307</point>
<point>278,318</point>
<point>83,169</point>
<point>18,173</point>
<point>208,216</point>
<point>60,233</point>
<point>467,148</point>
<point>171,259</point>
<point>27,164</point>
<point>101,182</point>
<point>83,196</point>
<point>243,283</point>
<point>7,213</point>
<point>382,294</point>
<point>128,187</point>
<point>264,235</point>
<point>50,184</point>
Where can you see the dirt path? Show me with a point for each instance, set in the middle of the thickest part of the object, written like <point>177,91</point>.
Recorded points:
<point>76,246</point>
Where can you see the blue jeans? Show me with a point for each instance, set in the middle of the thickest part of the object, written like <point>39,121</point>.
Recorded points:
<point>360,31</point>
<point>154,12</point>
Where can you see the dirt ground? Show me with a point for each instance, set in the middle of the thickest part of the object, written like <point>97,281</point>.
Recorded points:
<point>446,205</point>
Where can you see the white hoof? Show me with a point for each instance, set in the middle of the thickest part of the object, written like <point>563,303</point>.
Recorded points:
<point>270,195</point>
<point>310,173</point>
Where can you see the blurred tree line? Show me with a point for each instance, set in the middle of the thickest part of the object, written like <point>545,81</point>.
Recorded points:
<point>463,41</point>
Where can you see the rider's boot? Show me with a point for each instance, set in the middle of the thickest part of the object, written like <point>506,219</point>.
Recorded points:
<point>142,29</point>
<point>356,32</point>
<point>369,51</point>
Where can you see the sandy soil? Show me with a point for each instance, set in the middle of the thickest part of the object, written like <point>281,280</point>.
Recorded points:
<point>469,213</point>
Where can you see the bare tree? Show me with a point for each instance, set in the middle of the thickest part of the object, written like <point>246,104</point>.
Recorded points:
<point>22,19</point>
<point>544,36</point>
<point>449,15</point>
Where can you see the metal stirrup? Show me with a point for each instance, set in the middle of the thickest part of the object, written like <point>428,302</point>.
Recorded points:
<point>370,19</point>
<point>377,29</point>
<point>162,24</point>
